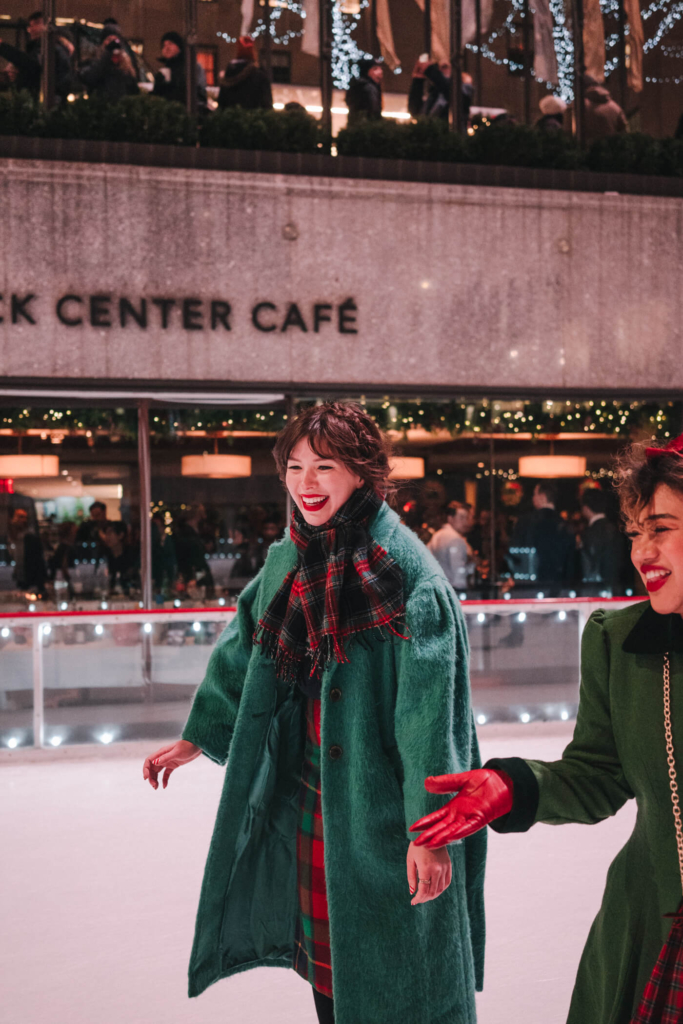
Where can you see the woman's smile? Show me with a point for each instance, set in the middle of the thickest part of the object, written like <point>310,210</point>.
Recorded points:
<point>314,502</point>
<point>655,577</point>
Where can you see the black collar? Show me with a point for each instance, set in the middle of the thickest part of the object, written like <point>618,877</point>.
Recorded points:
<point>655,634</point>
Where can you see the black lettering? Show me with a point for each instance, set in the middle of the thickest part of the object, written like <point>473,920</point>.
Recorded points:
<point>347,316</point>
<point>192,316</point>
<point>320,316</point>
<point>255,316</point>
<point>165,305</point>
<point>127,309</point>
<point>294,318</point>
<point>68,321</point>
<point>220,313</point>
<point>99,310</point>
<point>19,309</point>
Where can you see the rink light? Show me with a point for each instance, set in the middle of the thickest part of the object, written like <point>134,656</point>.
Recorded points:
<point>147,627</point>
<point>572,593</point>
<point>104,605</point>
<point>481,617</point>
<point>99,629</point>
<point>106,737</point>
<point>463,597</point>
<point>481,719</point>
<point>31,607</point>
<point>506,597</point>
<point>521,617</point>
<point>196,626</point>
<point>525,717</point>
<point>46,629</point>
<point>63,606</point>
<point>540,595</point>
<point>564,716</point>
<point>221,602</point>
<point>12,742</point>
<point>4,633</point>
<point>176,603</point>
<point>56,740</point>
<point>562,616</point>
<point>629,592</point>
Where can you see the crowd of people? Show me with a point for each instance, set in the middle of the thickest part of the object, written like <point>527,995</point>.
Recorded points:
<point>113,71</point>
<point>540,551</point>
<point>45,559</point>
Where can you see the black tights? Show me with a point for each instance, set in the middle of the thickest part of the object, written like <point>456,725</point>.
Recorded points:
<point>324,1007</point>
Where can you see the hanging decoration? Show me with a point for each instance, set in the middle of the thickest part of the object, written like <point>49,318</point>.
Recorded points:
<point>280,38</point>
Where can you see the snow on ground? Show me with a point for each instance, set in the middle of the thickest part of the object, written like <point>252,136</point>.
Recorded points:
<point>100,877</point>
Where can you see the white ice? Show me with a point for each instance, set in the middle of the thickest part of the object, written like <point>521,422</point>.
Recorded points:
<point>99,879</point>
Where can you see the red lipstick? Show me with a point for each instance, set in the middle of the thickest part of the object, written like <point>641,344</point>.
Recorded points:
<point>654,585</point>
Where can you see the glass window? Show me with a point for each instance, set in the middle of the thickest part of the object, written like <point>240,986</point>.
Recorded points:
<point>206,58</point>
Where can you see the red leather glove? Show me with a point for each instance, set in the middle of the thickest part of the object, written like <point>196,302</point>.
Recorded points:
<point>483,795</point>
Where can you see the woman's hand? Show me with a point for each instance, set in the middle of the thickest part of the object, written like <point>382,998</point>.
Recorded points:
<point>483,795</point>
<point>429,873</point>
<point>167,759</point>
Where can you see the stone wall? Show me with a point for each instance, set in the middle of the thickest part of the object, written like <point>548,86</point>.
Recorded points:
<point>279,280</point>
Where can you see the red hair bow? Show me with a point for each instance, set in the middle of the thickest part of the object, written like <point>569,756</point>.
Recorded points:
<point>673,447</point>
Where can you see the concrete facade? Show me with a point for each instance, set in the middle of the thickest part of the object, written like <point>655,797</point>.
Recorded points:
<point>396,284</point>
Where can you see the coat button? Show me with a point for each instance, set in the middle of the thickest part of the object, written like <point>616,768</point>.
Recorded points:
<point>335,694</point>
<point>336,752</point>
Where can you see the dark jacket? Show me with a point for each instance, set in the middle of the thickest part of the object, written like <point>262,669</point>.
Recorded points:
<point>603,556</point>
<point>106,80</point>
<point>245,85</point>
<point>542,549</point>
<point>617,753</point>
<point>175,90</point>
<point>364,100</point>
<point>29,65</point>
<point>29,571</point>
<point>550,124</point>
<point>437,102</point>
<point>396,712</point>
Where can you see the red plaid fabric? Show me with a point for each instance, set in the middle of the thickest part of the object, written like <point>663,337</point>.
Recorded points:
<point>345,585</point>
<point>662,1001</point>
<point>312,955</point>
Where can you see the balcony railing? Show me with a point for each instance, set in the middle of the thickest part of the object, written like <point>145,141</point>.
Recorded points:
<point>102,677</point>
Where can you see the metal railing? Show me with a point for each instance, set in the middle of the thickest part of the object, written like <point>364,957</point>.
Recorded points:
<point>494,663</point>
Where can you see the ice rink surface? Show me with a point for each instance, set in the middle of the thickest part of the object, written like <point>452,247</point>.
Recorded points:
<point>100,876</point>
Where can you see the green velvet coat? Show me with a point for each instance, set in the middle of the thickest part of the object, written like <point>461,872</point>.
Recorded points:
<point>404,713</point>
<point>618,752</point>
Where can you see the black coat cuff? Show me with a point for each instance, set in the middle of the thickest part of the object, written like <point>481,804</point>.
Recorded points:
<point>525,796</point>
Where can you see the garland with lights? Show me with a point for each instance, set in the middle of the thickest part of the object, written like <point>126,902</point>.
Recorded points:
<point>261,27</point>
<point>458,417</point>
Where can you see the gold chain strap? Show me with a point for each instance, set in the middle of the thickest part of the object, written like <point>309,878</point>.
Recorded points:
<point>672,765</point>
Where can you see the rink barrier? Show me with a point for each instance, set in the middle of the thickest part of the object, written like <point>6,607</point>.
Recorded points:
<point>42,622</point>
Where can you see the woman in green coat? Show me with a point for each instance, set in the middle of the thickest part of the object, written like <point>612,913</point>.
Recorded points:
<point>342,677</point>
<point>618,752</point>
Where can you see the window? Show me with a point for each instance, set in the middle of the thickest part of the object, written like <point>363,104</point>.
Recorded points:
<point>281,63</point>
<point>206,58</point>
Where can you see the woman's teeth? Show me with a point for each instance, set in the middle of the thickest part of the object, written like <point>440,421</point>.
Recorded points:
<point>313,503</point>
<point>656,574</point>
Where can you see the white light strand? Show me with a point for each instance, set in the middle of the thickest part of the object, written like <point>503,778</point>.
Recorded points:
<point>291,7</point>
<point>345,50</point>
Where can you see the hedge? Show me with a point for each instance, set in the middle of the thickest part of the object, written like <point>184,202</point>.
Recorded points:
<point>153,120</point>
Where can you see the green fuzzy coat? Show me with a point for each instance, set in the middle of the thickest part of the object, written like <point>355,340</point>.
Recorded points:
<point>618,753</point>
<point>404,713</point>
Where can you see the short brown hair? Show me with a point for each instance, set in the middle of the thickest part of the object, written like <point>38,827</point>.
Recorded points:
<point>343,431</point>
<point>637,477</point>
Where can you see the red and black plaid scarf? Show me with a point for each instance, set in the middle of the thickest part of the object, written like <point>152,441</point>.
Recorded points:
<point>344,586</point>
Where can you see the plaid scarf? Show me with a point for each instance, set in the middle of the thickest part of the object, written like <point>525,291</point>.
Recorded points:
<point>344,586</point>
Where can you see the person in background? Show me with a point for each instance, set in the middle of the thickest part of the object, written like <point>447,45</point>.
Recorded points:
<point>551,562</point>
<point>111,75</point>
<point>602,547</point>
<point>26,552</point>
<point>29,62</point>
<point>91,530</point>
<point>169,82</point>
<point>164,562</point>
<point>110,27</point>
<point>552,115</point>
<point>603,115</point>
<point>364,94</point>
<point>63,557</point>
<point>245,84</point>
<point>122,559</point>
<point>450,548</point>
<point>437,101</point>
<point>191,549</point>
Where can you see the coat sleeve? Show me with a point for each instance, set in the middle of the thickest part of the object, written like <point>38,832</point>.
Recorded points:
<point>433,720</point>
<point>216,703</point>
<point>587,784</point>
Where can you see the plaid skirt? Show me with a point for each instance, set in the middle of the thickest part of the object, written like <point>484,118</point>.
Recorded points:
<point>662,1001</point>
<point>312,955</point>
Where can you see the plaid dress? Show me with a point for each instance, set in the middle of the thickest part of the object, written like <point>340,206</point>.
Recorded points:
<point>312,955</point>
<point>662,1001</point>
